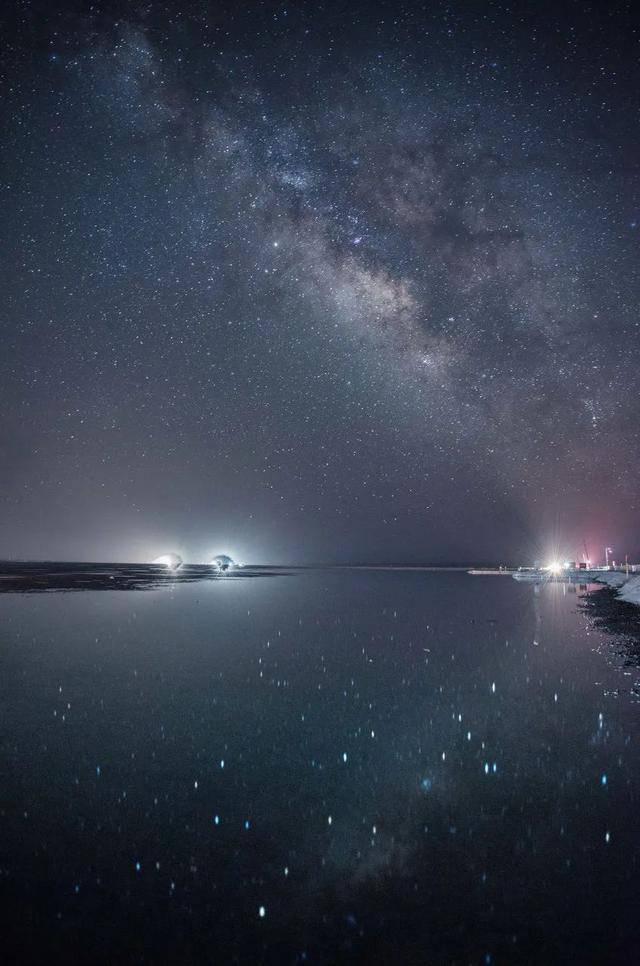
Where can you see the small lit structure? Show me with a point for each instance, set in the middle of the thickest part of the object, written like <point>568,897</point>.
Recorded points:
<point>169,560</point>
<point>222,562</point>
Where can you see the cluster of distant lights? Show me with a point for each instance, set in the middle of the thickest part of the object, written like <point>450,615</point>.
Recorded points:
<point>555,567</point>
<point>221,563</point>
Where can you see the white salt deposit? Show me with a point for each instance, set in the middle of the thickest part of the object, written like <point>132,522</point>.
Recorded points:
<point>631,591</point>
<point>628,587</point>
<point>612,579</point>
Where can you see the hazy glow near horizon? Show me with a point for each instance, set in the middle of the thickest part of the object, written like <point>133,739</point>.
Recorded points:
<point>170,560</point>
<point>223,561</point>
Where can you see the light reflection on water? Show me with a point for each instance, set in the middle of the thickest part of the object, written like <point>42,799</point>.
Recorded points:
<point>368,767</point>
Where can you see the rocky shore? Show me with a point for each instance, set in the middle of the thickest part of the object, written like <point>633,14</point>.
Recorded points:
<point>615,609</point>
<point>627,586</point>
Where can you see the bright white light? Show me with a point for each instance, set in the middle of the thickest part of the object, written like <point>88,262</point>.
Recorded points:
<point>170,560</point>
<point>554,567</point>
<point>223,562</point>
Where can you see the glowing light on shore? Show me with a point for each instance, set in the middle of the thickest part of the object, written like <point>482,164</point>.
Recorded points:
<point>223,562</point>
<point>169,560</point>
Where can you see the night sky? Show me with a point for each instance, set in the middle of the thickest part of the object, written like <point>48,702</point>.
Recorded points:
<point>319,282</point>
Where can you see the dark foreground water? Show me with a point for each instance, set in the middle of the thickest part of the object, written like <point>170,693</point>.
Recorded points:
<point>330,767</point>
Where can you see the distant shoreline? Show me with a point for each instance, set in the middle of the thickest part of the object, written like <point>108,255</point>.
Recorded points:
<point>34,576</point>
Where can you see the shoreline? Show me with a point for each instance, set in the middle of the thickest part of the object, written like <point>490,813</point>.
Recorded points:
<point>617,618</point>
<point>626,587</point>
<point>615,608</point>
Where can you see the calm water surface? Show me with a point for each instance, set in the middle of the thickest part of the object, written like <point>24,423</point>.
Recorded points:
<point>328,767</point>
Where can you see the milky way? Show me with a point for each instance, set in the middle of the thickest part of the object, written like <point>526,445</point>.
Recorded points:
<point>330,282</point>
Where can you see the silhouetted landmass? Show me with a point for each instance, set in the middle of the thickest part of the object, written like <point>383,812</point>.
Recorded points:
<point>25,578</point>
